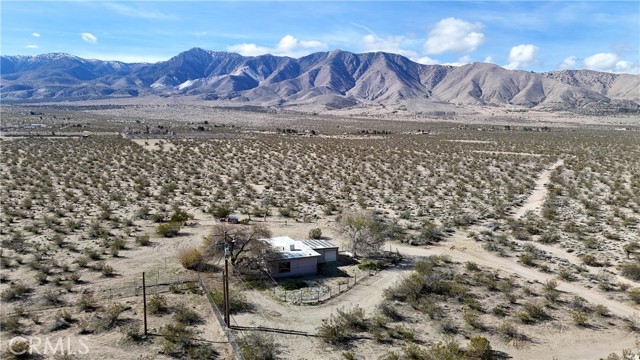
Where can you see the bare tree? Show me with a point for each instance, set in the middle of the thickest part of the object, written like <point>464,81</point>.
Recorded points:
<point>363,231</point>
<point>246,245</point>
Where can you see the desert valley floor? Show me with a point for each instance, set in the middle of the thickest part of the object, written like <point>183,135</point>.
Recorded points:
<point>506,234</point>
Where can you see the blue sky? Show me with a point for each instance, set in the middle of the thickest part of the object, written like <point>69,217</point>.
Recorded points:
<point>526,35</point>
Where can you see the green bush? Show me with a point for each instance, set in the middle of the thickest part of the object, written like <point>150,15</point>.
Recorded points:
<point>191,258</point>
<point>634,295</point>
<point>169,229</point>
<point>237,301</point>
<point>157,305</point>
<point>143,240</point>
<point>256,346</point>
<point>293,284</point>
<point>371,265</point>
<point>479,348</point>
<point>630,270</point>
<point>315,233</point>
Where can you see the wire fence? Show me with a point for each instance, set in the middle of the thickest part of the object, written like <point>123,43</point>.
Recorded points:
<point>157,281</point>
<point>324,290</point>
<point>218,314</point>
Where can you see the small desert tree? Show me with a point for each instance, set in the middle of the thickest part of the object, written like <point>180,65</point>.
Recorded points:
<point>362,230</point>
<point>247,246</point>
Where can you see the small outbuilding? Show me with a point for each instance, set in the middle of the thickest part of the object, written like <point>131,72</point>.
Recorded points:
<point>328,251</point>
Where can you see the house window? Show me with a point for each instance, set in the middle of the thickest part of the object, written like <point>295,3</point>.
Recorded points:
<point>284,267</point>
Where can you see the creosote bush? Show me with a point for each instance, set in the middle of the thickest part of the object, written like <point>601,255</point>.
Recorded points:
<point>191,258</point>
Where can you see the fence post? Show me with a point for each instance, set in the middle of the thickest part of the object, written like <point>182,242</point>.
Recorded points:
<point>144,300</point>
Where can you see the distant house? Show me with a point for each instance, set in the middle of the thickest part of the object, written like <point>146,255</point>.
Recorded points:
<point>300,258</point>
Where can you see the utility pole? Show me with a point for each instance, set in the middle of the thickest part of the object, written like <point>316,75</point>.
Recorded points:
<point>225,280</point>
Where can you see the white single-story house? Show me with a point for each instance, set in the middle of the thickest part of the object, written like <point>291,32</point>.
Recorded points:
<point>300,258</point>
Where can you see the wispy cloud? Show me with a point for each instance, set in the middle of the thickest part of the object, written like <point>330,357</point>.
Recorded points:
<point>131,11</point>
<point>31,46</point>
<point>36,34</point>
<point>89,38</point>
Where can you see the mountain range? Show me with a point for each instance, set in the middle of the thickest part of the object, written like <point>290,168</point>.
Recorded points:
<point>334,79</point>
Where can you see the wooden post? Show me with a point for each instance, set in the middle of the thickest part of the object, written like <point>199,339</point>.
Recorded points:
<point>144,301</point>
<point>226,291</point>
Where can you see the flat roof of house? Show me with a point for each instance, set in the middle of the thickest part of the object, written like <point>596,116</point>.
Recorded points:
<point>319,244</point>
<point>283,244</point>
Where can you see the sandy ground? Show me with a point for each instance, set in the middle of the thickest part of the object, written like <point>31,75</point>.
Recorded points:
<point>294,326</point>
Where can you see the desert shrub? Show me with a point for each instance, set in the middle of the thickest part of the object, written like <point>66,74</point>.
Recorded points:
<point>11,324</point>
<point>16,291</point>
<point>471,266</point>
<point>630,270</point>
<point>338,329</point>
<point>143,240</point>
<point>107,270</point>
<point>191,258</point>
<point>237,301</point>
<point>479,348</point>
<point>580,317</point>
<point>371,265</point>
<point>293,284</point>
<point>315,233</point>
<point>590,260</point>
<point>157,305</point>
<point>180,216</point>
<point>221,211</point>
<point>169,229</point>
<point>634,295</point>
<point>333,331</point>
<point>601,310</point>
<point>549,238</point>
<point>472,318</point>
<point>508,331</point>
<point>52,297</point>
<point>179,342</point>
<point>527,259</point>
<point>256,346</point>
<point>131,333</point>
<point>387,309</point>
<point>183,315</point>
<point>86,302</point>
<point>448,326</point>
<point>19,350</point>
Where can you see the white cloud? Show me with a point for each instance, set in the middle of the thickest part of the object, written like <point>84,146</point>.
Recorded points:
<point>610,62</point>
<point>89,38</point>
<point>390,44</point>
<point>289,45</point>
<point>453,34</point>
<point>488,59</point>
<point>31,46</point>
<point>522,55</point>
<point>601,61</point>
<point>35,34</point>
<point>425,60</point>
<point>464,60</point>
<point>568,63</point>
<point>248,49</point>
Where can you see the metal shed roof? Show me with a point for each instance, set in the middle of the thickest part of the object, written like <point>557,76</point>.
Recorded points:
<point>319,244</point>
<point>284,243</point>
